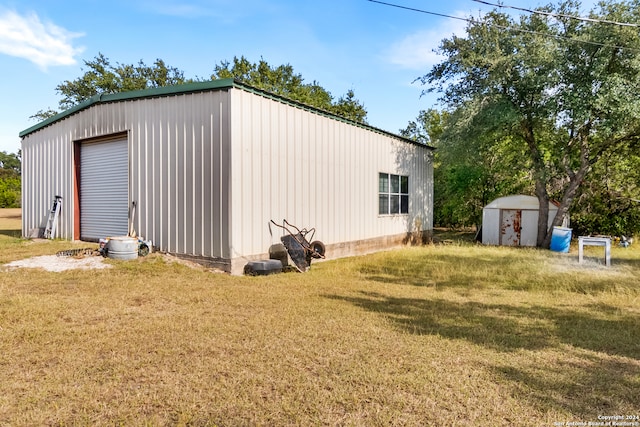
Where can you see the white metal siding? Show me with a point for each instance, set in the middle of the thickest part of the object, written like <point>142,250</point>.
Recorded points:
<point>315,171</point>
<point>529,224</point>
<point>104,189</point>
<point>179,168</point>
<point>47,165</point>
<point>491,226</point>
<point>180,172</point>
<point>209,167</point>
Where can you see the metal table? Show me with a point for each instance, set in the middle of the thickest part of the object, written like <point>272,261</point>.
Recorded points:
<point>595,241</point>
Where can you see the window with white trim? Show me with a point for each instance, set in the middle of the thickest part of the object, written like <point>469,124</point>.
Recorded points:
<point>393,194</point>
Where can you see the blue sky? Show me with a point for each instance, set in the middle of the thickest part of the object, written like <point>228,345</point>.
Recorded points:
<point>376,50</point>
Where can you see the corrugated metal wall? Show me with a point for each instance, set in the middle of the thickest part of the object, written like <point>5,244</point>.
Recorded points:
<point>47,162</point>
<point>180,161</point>
<point>209,170</point>
<point>178,168</point>
<point>316,172</point>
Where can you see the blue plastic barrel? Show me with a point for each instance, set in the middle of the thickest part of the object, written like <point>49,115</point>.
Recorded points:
<point>560,239</point>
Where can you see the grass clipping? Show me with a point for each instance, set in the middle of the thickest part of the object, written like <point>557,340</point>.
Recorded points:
<point>453,334</point>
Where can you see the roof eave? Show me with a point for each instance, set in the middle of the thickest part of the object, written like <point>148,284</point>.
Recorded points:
<point>200,87</point>
<point>136,94</point>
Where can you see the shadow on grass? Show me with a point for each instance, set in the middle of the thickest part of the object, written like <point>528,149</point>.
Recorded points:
<point>581,383</point>
<point>417,270</point>
<point>633,263</point>
<point>508,328</point>
<point>586,387</point>
<point>11,233</point>
<point>513,270</point>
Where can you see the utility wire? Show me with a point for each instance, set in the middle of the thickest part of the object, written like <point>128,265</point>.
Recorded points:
<point>421,11</point>
<point>503,27</point>
<point>560,15</point>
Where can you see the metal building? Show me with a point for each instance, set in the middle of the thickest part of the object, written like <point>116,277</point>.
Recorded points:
<point>200,169</point>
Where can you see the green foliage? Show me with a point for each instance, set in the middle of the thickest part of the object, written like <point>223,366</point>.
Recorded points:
<point>282,80</point>
<point>10,192</point>
<point>349,107</point>
<point>42,115</point>
<point>549,96</point>
<point>469,171</point>
<point>10,184</point>
<point>427,128</point>
<point>609,201</point>
<point>104,78</point>
<point>10,163</point>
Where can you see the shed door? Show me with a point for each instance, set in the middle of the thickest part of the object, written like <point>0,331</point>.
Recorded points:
<point>104,189</point>
<point>510,227</point>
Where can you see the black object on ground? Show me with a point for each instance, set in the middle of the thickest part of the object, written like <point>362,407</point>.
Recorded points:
<point>297,245</point>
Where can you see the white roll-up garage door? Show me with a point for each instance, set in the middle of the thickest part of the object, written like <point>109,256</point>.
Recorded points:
<point>104,189</point>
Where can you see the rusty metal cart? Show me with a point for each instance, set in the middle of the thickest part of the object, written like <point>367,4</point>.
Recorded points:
<point>300,245</point>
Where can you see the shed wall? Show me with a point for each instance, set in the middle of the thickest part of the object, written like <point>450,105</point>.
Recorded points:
<point>529,231</point>
<point>491,226</point>
<point>316,172</point>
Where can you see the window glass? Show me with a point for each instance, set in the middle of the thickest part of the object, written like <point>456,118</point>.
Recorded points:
<point>394,208</point>
<point>383,204</point>
<point>383,183</point>
<point>395,184</point>
<point>404,204</point>
<point>393,194</point>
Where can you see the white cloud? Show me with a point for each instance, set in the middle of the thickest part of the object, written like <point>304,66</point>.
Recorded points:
<point>417,51</point>
<point>44,44</point>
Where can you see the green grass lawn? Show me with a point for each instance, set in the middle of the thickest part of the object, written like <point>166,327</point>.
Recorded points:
<point>446,334</point>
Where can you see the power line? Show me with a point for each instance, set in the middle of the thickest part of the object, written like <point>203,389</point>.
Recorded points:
<point>421,11</point>
<point>504,27</point>
<point>560,15</point>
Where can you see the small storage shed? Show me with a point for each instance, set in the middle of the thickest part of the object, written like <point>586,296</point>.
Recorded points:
<point>513,221</point>
<point>200,169</point>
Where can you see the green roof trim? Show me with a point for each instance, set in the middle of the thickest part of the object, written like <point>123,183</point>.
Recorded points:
<point>136,94</point>
<point>198,87</point>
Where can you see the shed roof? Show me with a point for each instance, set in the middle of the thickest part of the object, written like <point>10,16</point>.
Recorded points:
<point>518,201</point>
<point>219,84</point>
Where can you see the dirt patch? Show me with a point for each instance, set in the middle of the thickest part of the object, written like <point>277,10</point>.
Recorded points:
<point>11,213</point>
<point>60,263</point>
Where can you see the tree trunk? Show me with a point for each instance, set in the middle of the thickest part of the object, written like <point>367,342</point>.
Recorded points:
<point>575,179</point>
<point>565,204</point>
<point>543,213</point>
<point>539,176</point>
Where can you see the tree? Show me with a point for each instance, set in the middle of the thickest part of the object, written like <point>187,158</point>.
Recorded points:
<point>10,186</point>
<point>561,89</point>
<point>427,128</point>
<point>102,77</point>
<point>468,171</point>
<point>282,80</point>
<point>10,163</point>
<point>609,201</point>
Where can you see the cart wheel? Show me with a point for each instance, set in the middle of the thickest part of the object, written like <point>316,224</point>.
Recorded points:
<point>143,249</point>
<point>318,247</point>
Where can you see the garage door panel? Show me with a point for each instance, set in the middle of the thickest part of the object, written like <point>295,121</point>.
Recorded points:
<point>104,189</point>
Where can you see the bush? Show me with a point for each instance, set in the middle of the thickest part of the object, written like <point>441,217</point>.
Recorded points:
<point>10,192</point>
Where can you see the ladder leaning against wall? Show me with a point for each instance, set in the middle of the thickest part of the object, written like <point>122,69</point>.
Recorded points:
<point>52,221</point>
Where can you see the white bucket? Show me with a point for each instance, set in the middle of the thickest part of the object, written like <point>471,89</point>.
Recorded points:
<point>122,247</point>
